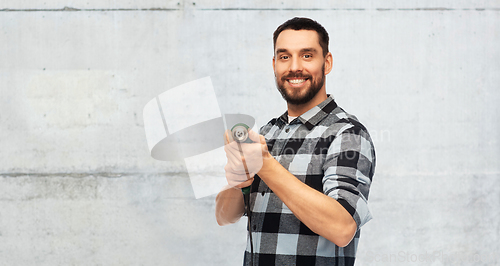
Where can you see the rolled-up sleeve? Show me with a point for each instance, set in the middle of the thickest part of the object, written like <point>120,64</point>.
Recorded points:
<point>348,171</point>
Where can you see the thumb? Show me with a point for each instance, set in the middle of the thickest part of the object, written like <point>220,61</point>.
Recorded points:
<point>254,136</point>
<point>228,137</point>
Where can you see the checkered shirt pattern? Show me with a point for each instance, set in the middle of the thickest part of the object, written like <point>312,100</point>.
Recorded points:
<point>332,152</point>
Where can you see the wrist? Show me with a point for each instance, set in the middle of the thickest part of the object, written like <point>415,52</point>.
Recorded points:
<point>267,164</point>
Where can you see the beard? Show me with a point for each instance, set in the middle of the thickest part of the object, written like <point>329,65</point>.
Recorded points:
<point>292,96</point>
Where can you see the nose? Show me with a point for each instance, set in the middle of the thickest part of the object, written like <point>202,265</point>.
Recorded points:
<point>295,64</point>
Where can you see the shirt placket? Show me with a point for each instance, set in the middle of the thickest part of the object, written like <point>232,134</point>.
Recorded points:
<point>263,197</point>
<point>285,134</point>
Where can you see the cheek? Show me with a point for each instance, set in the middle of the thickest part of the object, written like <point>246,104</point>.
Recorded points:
<point>281,67</point>
<point>276,73</point>
<point>278,70</point>
<point>317,71</point>
<point>279,73</point>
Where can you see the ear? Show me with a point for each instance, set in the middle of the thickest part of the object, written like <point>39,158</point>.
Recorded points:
<point>274,67</point>
<point>328,63</point>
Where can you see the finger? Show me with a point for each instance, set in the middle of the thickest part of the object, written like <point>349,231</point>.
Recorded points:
<point>235,160</point>
<point>227,137</point>
<point>263,145</point>
<point>236,180</point>
<point>254,136</point>
<point>235,166</point>
<point>262,140</point>
<point>246,183</point>
<point>232,153</point>
<point>239,183</point>
<point>240,170</point>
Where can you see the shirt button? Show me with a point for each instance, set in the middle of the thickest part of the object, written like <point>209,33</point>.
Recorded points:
<point>286,130</point>
<point>254,227</point>
<point>263,192</point>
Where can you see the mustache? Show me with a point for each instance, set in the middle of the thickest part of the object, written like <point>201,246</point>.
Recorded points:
<point>295,75</point>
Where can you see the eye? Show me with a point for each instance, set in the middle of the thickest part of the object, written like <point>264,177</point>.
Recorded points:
<point>307,56</point>
<point>284,57</point>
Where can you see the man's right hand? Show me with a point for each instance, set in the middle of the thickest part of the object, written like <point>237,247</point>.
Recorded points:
<point>244,160</point>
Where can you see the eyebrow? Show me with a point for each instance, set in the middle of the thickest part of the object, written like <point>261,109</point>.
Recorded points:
<point>304,50</point>
<point>312,50</point>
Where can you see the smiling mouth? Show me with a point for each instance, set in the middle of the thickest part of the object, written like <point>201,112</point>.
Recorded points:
<point>297,81</point>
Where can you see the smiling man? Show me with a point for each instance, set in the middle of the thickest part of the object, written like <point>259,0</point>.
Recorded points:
<point>307,175</point>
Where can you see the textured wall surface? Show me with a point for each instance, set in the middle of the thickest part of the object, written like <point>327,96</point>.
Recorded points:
<point>77,184</point>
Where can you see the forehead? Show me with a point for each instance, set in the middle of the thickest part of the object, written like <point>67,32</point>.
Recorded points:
<point>297,39</point>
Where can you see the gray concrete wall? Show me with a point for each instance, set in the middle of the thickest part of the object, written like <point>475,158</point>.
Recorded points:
<point>77,184</point>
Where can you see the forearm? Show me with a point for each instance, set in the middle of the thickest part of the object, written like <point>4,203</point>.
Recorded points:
<point>322,214</point>
<point>229,206</point>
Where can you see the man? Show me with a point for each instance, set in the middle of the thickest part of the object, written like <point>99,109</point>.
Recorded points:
<point>309,171</point>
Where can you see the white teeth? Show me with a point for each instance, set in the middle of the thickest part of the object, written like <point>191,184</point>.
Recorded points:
<point>296,81</point>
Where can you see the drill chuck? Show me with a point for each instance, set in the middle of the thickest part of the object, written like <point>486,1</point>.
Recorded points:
<point>239,133</point>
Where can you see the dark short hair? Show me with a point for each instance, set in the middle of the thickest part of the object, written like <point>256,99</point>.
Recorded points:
<point>298,23</point>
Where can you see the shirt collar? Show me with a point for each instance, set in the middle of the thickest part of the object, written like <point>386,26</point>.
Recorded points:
<point>313,116</point>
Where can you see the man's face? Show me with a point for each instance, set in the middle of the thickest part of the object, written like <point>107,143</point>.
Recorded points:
<point>299,65</point>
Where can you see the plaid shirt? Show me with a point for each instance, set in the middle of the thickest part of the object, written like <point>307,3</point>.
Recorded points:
<point>332,152</point>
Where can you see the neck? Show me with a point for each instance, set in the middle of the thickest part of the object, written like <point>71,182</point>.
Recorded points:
<point>297,110</point>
